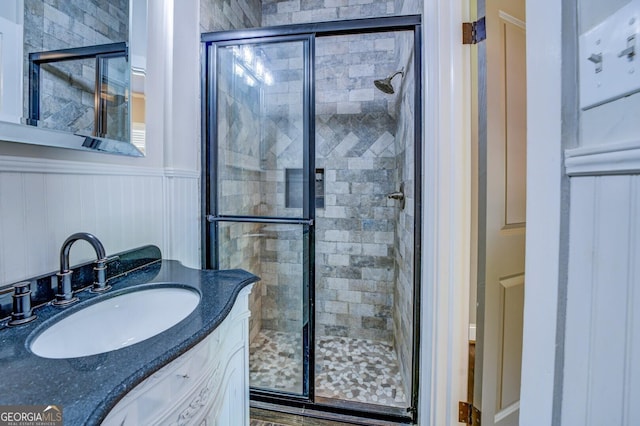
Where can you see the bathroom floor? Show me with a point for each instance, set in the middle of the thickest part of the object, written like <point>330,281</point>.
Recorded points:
<point>358,370</point>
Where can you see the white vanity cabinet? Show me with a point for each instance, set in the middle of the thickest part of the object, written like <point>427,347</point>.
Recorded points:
<point>208,385</point>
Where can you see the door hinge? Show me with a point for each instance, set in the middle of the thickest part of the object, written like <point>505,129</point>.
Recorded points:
<point>474,32</point>
<point>468,414</point>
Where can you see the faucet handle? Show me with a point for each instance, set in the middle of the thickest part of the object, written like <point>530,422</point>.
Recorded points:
<point>100,275</point>
<point>22,311</point>
<point>64,296</point>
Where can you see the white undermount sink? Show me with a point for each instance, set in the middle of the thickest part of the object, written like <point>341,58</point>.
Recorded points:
<point>116,322</point>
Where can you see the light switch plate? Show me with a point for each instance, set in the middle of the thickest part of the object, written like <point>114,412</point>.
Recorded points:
<point>607,47</point>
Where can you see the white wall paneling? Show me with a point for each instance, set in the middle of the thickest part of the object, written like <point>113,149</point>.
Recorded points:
<point>602,374</point>
<point>184,218</point>
<point>42,202</point>
<point>614,158</point>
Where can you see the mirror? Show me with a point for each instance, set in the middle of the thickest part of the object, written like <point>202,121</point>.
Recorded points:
<point>72,74</point>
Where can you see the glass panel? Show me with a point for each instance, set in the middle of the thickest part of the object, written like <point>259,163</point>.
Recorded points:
<point>114,95</point>
<point>276,254</point>
<point>364,240</point>
<point>67,95</point>
<point>260,128</point>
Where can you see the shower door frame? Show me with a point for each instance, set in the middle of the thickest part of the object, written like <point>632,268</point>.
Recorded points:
<point>310,31</point>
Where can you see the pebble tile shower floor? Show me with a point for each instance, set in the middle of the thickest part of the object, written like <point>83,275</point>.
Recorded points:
<point>359,370</point>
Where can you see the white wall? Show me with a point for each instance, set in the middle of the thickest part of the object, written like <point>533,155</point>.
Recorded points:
<point>48,193</point>
<point>601,377</point>
<point>12,10</point>
<point>582,332</point>
<point>544,174</point>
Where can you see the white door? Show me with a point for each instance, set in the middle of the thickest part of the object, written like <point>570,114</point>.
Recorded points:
<point>502,296</point>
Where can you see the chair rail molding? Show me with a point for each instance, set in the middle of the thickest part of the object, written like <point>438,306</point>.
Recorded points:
<point>9,164</point>
<point>609,159</point>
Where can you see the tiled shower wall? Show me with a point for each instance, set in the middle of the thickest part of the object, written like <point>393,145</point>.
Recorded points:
<point>240,178</point>
<point>282,140</point>
<point>257,143</point>
<point>240,190</point>
<point>221,15</point>
<point>282,12</point>
<point>67,101</point>
<point>403,296</point>
<point>355,231</point>
<point>355,144</point>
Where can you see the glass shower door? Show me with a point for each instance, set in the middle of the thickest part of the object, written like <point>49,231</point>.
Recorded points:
<point>261,219</point>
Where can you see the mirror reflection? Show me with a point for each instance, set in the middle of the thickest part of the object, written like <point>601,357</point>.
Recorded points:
<point>74,66</point>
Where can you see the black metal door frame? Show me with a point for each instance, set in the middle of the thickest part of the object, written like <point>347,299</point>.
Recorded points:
<point>213,216</point>
<point>307,33</point>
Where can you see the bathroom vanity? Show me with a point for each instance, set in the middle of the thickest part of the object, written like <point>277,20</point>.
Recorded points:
<point>193,372</point>
<point>208,383</point>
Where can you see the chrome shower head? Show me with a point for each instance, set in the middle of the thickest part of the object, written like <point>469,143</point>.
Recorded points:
<point>384,85</point>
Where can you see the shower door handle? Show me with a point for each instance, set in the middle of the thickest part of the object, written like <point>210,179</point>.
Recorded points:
<point>257,219</point>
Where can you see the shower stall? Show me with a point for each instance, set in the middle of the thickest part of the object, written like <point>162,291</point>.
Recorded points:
<point>312,165</point>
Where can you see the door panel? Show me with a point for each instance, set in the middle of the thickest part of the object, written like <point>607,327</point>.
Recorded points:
<point>512,297</point>
<point>515,119</point>
<point>501,303</point>
<point>260,127</point>
<point>275,253</point>
<point>260,195</point>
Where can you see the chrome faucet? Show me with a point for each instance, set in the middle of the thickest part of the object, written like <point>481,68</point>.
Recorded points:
<point>65,294</point>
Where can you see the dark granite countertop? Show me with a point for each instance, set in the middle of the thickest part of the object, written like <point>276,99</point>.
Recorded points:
<point>87,388</point>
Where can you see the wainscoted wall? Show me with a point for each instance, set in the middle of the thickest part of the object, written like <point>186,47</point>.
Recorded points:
<point>42,202</point>
<point>602,373</point>
<point>601,377</point>
<point>182,220</point>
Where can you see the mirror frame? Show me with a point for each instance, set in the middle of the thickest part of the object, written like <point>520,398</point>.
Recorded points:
<point>32,135</point>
